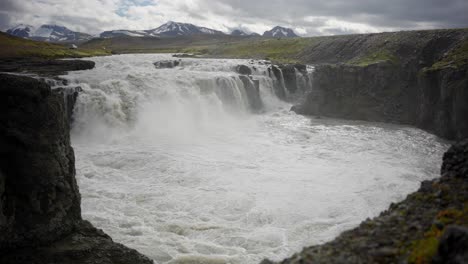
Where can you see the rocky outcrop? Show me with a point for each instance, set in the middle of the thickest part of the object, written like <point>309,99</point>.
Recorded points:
<point>40,216</point>
<point>252,90</point>
<point>40,199</point>
<point>43,67</point>
<point>278,81</point>
<point>442,98</point>
<point>165,64</point>
<point>373,93</point>
<point>243,69</point>
<point>434,100</point>
<point>290,75</point>
<point>429,225</point>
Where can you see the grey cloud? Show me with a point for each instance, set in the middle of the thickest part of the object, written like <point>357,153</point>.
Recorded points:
<point>347,16</point>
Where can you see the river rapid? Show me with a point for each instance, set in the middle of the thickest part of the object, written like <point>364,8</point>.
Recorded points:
<point>175,163</point>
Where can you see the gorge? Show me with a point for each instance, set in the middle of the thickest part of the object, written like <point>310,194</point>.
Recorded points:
<point>200,160</point>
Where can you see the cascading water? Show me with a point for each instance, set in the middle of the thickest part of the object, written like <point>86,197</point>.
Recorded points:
<point>193,164</point>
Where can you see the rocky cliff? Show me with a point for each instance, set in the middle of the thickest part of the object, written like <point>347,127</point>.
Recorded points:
<point>417,78</point>
<point>40,216</point>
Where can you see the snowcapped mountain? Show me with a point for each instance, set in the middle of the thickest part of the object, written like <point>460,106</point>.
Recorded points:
<point>52,33</point>
<point>124,33</point>
<point>173,29</point>
<point>280,32</point>
<point>238,32</point>
<point>21,30</point>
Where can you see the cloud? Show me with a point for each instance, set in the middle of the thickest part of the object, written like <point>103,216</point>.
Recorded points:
<point>306,17</point>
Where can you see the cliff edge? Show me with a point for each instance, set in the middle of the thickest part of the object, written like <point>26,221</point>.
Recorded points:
<point>40,214</point>
<point>417,78</point>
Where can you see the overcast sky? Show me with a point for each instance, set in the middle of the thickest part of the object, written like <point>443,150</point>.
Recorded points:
<point>306,17</point>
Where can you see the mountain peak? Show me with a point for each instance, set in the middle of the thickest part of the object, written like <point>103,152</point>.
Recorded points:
<point>48,32</point>
<point>172,29</point>
<point>238,32</point>
<point>280,32</point>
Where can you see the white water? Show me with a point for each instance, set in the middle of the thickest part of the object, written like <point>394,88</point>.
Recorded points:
<point>166,167</point>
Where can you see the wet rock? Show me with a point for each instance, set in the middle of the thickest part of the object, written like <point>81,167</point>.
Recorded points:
<point>164,64</point>
<point>253,93</point>
<point>243,69</point>
<point>289,76</point>
<point>278,83</point>
<point>70,95</point>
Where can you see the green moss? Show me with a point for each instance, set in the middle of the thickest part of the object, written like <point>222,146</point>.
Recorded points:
<point>281,50</point>
<point>455,58</point>
<point>375,57</point>
<point>424,250</point>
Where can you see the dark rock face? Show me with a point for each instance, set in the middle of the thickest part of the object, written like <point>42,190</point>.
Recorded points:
<point>443,102</point>
<point>453,246</point>
<point>166,64</point>
<point>40,215</point>
<point>40,198</point>
<point>389,77</point>
<point>278,84</point>
<point>371,93</point>
<point>243,69</point>
<point>252,90</point>
<point>70,95</point>
<point>383,92</point>
<point>86,245</point>
<point>289,75</point>
<point>44,67</point>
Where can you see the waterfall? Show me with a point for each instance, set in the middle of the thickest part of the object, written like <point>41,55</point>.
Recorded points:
<point>180,91</point>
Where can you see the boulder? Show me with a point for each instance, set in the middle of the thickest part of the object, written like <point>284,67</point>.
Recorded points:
<point>243,69</point>
<point>166,64</point>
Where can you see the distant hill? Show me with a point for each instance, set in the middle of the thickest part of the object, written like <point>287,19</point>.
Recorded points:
<point>49,33</point>
<point>280,32</point>
<point>14,47</point>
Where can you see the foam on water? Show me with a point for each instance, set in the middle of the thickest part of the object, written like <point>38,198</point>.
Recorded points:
<point>170,167</point>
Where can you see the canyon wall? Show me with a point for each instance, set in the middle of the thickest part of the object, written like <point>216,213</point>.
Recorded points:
<point>415,78</point>
<point>40,215</point>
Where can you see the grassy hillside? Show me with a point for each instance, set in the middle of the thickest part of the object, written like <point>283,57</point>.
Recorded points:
<point>284,50</point>
<point>14,47</point>
<point>429,46</point>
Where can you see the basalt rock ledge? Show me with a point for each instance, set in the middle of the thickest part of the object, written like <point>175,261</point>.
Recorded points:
<point>40,214</point>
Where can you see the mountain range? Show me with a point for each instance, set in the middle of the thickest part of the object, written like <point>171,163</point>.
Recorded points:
<point>52,33</point>
<point>55,33</point>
